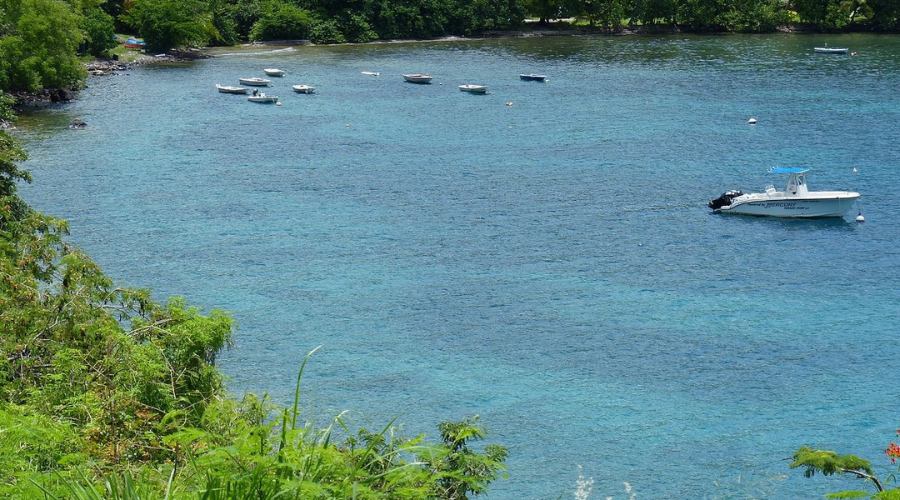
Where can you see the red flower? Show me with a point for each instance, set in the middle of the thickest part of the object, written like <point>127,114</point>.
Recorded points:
<point>893,451</point>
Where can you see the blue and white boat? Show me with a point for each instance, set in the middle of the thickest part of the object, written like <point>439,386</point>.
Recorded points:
<point>795,201</point>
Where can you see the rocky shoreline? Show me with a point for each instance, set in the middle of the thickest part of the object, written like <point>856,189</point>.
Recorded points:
<point>102,67</point>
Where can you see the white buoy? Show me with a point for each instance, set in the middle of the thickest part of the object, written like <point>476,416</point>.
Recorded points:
<point>860,218</point>
<point>751,121</point>
<point>854,170</point>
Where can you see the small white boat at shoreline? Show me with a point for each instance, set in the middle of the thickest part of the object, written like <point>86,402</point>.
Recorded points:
<point>474,89</point>
<point>417,78</point>
<point>303,89</point>
<point>255,81</point>
<point>795,201</point>
<point>228,89</point>
<point>274,72</point>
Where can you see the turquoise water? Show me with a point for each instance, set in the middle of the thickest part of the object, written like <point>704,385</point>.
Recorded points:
<point>549,265</point>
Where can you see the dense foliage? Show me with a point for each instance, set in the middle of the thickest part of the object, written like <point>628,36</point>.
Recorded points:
<point>105,393</point>
<point>338,21</point>
<point>38,42</point>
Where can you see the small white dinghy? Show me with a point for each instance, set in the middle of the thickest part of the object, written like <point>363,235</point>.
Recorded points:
<point>255,81</point>
<point>229,89</point>
<point>417,78</point>
<point>274,72</point>
<point>303,89</point>
<point>474,89</point>
<point>831,50</point>
<point>795,201</point>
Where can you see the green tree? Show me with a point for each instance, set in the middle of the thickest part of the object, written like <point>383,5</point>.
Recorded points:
<point>459,470</point>
<point>486,15</point>
<point>885,14</point>
<point>99,32</point>
<point>609,13</point>
<point>10,153</point>
<point>656,11</point>
<point>754,16</point>
<point>38,43</point>
<point>546,10</point>
<point>167,24</point>
<point>829,463</point>
<point>282,21</point>
<point>701,15</point>
<point>826,15</point>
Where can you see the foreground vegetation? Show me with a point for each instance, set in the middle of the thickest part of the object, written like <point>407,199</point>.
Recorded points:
<point>41,40</point>
<point>105,393</point>
<point>829,463</point>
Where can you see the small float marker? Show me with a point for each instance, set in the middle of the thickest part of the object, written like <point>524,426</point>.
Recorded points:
<point>854,170</point>
<point>751,121</point>
<point>860,218</point>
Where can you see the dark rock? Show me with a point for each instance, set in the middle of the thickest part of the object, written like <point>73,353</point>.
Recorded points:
<point>78,123</point>
<point>62,95</point>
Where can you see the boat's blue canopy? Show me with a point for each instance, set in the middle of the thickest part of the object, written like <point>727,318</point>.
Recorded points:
<point>788,170</point>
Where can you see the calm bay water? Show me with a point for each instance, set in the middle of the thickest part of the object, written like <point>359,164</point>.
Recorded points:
<point>549,265</point>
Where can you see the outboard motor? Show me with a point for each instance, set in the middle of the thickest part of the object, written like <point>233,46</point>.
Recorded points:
<point>724,200</point>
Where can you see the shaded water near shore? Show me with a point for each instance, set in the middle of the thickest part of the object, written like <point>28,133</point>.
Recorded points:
<point>541,255</point>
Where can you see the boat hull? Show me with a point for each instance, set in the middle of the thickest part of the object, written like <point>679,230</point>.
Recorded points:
<point>831,50</point>
<point>417,78</point>
<point>255,82</point>
<point>231,90</point>
<point>533,78</point>
<point>473,89</point>
<point>303,89</point>
<point>804,208</point>
<point>263,99</point>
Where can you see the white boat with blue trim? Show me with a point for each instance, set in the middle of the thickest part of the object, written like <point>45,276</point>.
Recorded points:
<point>795,201</point>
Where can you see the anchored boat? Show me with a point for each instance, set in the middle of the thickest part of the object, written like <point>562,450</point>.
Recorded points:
<point>795,201</point>
<point>831,50</point>
<point>474,89</point>
<point>417,78</point>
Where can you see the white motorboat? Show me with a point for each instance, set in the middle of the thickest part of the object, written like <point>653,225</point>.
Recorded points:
<point>533,78</point>
<point>795,201</point>
<point>274,72</point>
<point>831,50</point>
<point>474,89</point>
<point>303,89</point>
<point>417,78</point>
<point>255,81</point>
<point>228,89</point>
<point>263,98</point>
<point>371,73</point>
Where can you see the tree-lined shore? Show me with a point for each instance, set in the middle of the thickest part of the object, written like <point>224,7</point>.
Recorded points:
<point>43,42</point>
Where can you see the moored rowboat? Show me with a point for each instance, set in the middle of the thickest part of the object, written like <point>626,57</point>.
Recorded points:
<point>255,81</point>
